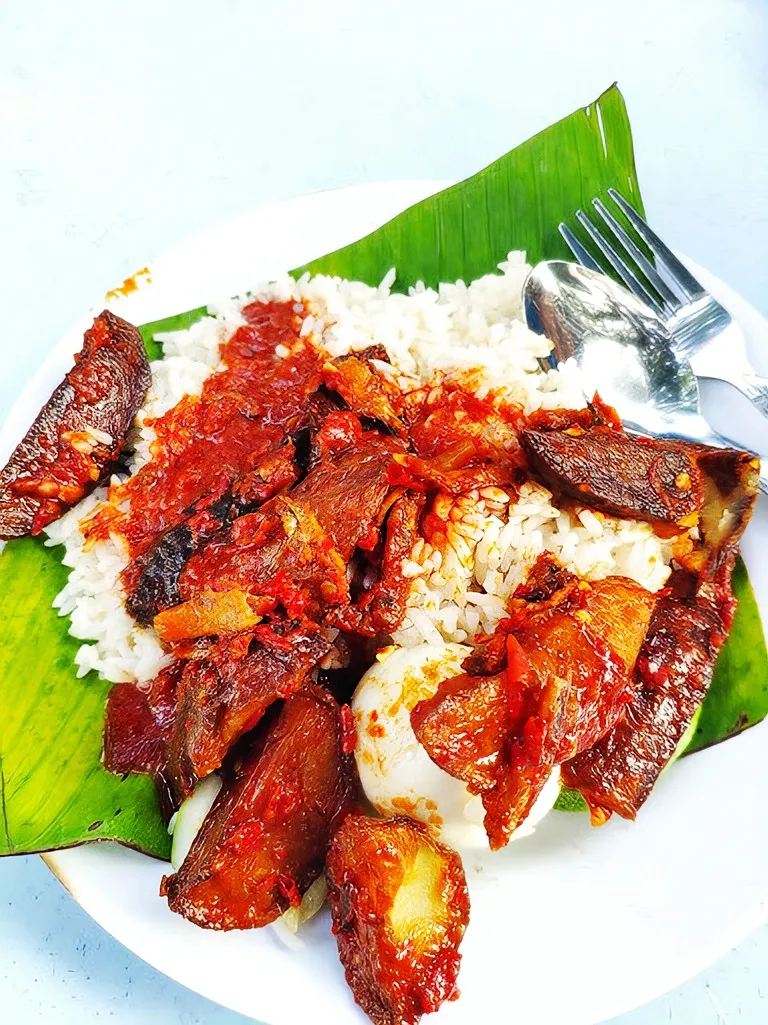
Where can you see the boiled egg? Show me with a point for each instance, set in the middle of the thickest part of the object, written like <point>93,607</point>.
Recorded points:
<point>397,774</point>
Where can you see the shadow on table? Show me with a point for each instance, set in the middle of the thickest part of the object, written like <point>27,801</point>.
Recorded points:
<point>53,957</point>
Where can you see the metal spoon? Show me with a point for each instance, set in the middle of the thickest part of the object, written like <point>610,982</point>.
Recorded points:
<point>623,349</point>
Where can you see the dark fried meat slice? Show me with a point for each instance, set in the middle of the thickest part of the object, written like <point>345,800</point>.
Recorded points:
<point>264,841</point>
<point>139,723</point>
<point>80,431</point>
<point>381,608</point>
<point>348,488</point>
<point>152,579</point>
<point>364,388</point>
<point>673,482</point>
<point>674,671</point>
<point>645,478</point>
<point>223,696</point>
<point>400,906</point>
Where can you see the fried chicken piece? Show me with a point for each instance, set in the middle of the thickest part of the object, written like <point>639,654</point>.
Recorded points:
<point>400,906</point>
<point>264,841</point>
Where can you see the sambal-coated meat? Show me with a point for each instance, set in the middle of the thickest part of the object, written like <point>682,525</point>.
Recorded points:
<point>464,727</point>
<point>563,676</point>
<point>400,906</point>
<point>223,695</point>
<point>207,442</point>
<point>280,551</point>
<point>644,478</point>
<point>139,723</point>
<point>380,609</point>
<point>303,540</point>
<point>80,431</point>
<point>210,613</point>
<point>443,418</point>
<point>364,388</point>
<point>459,442</point>
<point>348,489</point>
<point>151,580</point>
<point>264,841</point>
<point>673,674</point>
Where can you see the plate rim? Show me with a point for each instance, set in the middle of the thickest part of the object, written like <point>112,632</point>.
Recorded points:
<point>54,860</point>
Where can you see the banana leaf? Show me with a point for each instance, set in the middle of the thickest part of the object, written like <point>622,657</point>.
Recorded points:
<point>54,791</point>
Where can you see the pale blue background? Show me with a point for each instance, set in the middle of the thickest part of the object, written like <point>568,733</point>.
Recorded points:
<point>126,126</point>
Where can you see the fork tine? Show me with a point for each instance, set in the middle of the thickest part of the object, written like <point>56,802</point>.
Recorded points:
<point>585,258</point>
<point>680,275</point>
<point>624,271</point>
<point>668,297</point>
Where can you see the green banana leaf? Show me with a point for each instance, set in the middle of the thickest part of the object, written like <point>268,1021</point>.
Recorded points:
<point>54,791</point>
<point>738,697</point>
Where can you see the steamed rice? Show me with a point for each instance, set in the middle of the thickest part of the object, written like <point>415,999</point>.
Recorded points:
<point>473,333</point>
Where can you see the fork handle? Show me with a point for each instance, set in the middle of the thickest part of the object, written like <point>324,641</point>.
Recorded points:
<point>751,385</point>
<point>755,388</point>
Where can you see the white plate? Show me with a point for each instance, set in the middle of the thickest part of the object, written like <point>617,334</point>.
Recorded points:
<point>573,925</point>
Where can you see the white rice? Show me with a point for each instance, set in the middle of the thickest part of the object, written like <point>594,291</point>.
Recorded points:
<point>472,332</point>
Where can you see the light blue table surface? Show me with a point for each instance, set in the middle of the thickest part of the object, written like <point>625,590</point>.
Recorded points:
<point>125,127</point>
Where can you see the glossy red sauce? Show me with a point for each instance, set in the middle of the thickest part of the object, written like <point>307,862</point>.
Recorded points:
<point>455,419</point>
<point>206,442</point>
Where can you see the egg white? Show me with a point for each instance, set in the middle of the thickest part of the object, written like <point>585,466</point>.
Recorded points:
<point>397,774</point>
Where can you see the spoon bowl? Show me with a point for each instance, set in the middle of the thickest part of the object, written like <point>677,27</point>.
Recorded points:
<point>623,350</point>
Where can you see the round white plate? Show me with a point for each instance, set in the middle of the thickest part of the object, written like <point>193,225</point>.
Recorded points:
<point>572,925</point>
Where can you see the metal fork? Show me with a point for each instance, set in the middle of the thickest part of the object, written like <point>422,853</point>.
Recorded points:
<point>702,330</point>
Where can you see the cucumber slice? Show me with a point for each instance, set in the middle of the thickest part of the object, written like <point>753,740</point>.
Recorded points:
<point>189,818</point>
